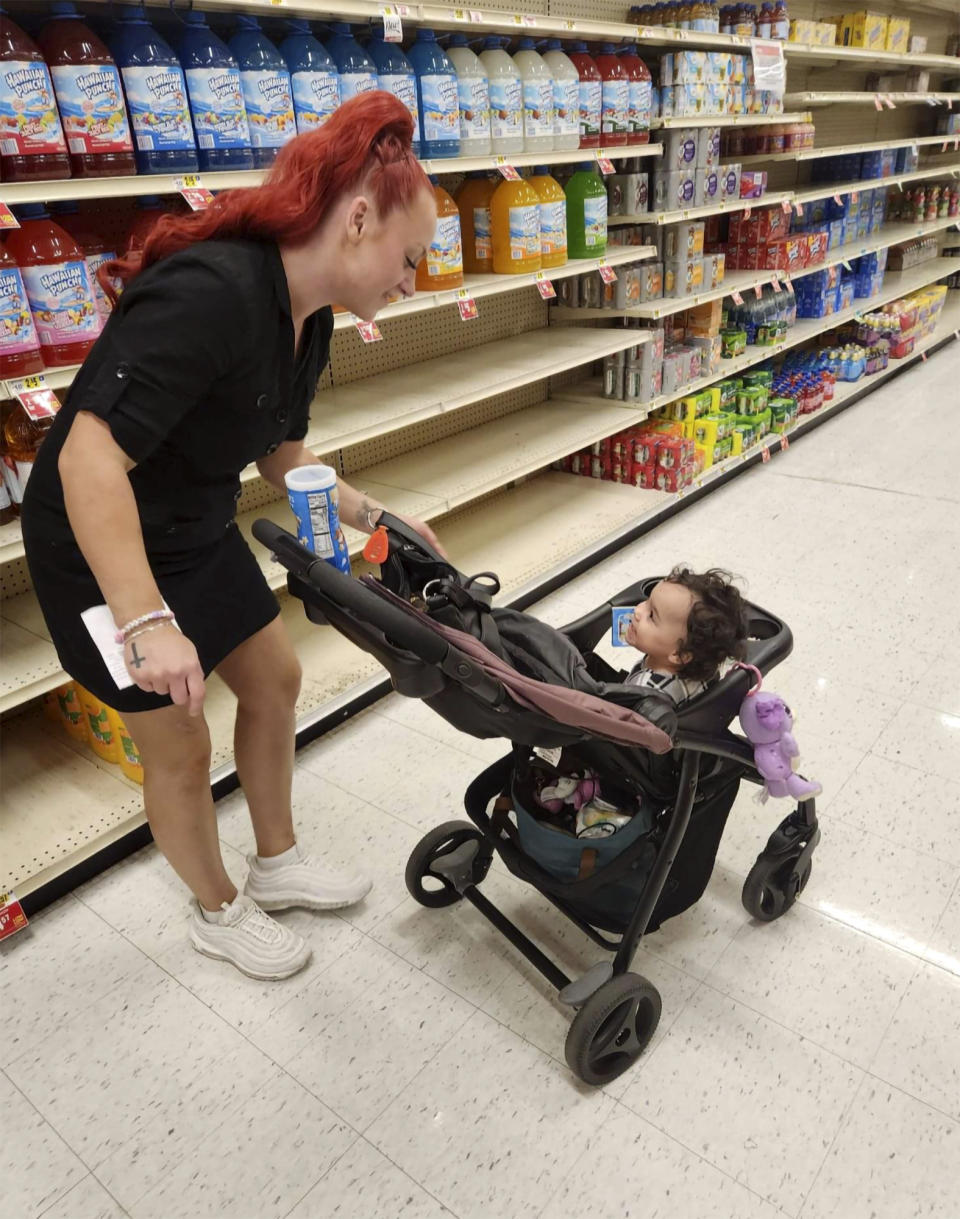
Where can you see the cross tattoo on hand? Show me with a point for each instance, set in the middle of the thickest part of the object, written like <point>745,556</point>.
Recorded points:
<point>137,658</point>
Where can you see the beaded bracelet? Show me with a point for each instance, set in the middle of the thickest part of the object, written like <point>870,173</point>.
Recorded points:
<point>164,615</point>
<point>145,630</point>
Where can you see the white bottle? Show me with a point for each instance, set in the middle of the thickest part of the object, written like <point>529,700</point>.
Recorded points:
<point>473,86</point>
<point>506,97</point>
<point>537,98</point>
<point>566,97</point>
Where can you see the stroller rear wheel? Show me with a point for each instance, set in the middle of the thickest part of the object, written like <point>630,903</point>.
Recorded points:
<point>430,887</point>
<point>613,1028</point>
<point>773,885</point>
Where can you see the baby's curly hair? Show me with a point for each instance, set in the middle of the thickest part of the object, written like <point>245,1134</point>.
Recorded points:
<point>717,626</point>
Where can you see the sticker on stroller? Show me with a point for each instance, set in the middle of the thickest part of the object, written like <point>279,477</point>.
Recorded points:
<point>550,756</point>
<point>622,617</point>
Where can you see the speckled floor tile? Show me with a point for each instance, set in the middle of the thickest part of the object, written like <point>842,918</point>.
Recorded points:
<point>923,737</point>
<point>37,1168</point>
<point>88,1200</point>
<point>745,1093</point>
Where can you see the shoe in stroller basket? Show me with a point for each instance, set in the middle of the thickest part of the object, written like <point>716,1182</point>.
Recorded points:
<point>495,672</point>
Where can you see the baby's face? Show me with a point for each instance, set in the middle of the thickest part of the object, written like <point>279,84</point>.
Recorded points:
<point>659,624</point>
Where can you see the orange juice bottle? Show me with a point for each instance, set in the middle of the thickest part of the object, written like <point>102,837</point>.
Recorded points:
<point>515,217</point>
<point>553,217</point>
<point>72,714</point>
<point>103,740</point>
<point>473,200</point>
<point>442,266</point>
<point>130,762</point>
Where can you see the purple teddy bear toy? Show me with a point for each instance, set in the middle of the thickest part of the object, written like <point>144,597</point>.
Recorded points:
<point>766,721</point>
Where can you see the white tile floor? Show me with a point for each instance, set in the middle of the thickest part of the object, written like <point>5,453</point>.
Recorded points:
<point>806,1068</point>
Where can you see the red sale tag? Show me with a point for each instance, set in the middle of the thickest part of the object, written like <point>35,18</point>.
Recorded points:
<point>786,206</point>
<point>758,290</point>
<point>607,273</point>
<point>764,454</point>
<point>737,298</point>
<point>199,198</point>
<point>799,208</point>
<point>877,102</point>
<point>606,165</point>
<point>785,441</point>
<point>369,332</point>
<point>12,917</point>
<point>545,287</point>
<point>7,219</point>
<point>468,309</point>
<point>776,283</point>
<point>854,196</point>
<point>747,212</point>
<point>507,170</point>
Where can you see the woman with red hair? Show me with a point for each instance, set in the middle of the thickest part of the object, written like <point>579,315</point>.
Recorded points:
<point>210,361</point>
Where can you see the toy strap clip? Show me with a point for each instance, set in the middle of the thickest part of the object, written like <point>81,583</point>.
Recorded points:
<point>757,674</point>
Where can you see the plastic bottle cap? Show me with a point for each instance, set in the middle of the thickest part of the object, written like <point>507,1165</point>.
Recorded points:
<point>458,40</point>
<point>526,44</point>
<point>553,44</point>
<point>296,25</point>
<point>340,27</point>
<point>195,18</point>
<point>425,35</point>
<point>245,22</point>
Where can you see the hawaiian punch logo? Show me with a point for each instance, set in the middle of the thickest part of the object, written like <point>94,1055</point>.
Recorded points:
<point>97,84</point>
<point>27,81</point>
<point>64,280</point>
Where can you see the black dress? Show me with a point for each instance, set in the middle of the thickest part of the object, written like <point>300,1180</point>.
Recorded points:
<point>196,377</point>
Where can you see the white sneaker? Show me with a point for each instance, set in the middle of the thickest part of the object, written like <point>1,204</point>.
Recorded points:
<point>303,882</point>
<point>258,945</point>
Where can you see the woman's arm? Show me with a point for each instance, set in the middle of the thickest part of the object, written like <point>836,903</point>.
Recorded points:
<point>102,512</point>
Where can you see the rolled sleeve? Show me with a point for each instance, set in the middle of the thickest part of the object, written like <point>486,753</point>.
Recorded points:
<point>173,334</point>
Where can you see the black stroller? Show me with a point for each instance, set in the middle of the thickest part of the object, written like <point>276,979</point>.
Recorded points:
<point>495,672</point>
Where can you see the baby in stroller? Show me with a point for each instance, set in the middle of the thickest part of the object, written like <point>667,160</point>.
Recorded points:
<point>687,627</point>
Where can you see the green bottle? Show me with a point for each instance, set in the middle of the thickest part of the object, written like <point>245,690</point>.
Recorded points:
<point>586,214</point>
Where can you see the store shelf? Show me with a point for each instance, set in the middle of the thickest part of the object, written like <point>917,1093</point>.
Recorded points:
<point>850,58</point>
<point>62,804</point>
<point>865,98</point>
<point>376,405</point>
<point>728,120</point>
<point>895,285</point>
<point>478,286</point>
<point>698,213</point>
<point>474,286</point>
<point>11,541</point>
<point>826,190</point>
<point>167,184</point>
<point>839,150</point>
<point>743,281</point>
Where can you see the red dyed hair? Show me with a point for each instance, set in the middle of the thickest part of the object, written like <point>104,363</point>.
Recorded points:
<point>367,139</point>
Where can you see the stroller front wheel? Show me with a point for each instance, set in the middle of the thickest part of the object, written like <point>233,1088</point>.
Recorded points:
<point>431,887</point>
<point>613,1028</point>
<point>772,886</point>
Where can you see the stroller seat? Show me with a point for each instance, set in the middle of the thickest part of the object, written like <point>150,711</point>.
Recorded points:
<point>493,672</point>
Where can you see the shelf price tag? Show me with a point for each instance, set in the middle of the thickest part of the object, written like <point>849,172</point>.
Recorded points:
<point>34,395</point>
<point>545,287</point>
<point>507,170</point>
<point>838,201</point>
<point>747,212</point>
<point>877,102</point>
<point>12,917</point>
<point>776,283</point>
<point>769,67</point>
<point>891,104</point>
<point>369,332</point>
<point>607,273</point>
<point>923,356</point>
<point>569,25</point>
<point>758,290</point>
<point>765,454</point>
<point>526,19</point>
<point>392,25</point>
<point>786,206</point>
<point>737,298</point>
<point>788,283</point>
<point>799,209</point>
<point>467,306</point>
<point>606,165</point>
<point>785,442</point>
<point>194,192</point>
<point>7,219</point>
<point>846,265</point>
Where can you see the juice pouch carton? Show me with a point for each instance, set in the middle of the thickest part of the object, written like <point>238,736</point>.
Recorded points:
<point>729,176</point>
<point>753,183</point>
<point>681,149</point>
<point>708,188</point>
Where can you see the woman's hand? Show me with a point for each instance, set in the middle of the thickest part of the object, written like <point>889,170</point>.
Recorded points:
<point>423,529</point>
<point>164,661</point>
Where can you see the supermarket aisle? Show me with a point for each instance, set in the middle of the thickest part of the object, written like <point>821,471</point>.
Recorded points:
<point>805,1068</point>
